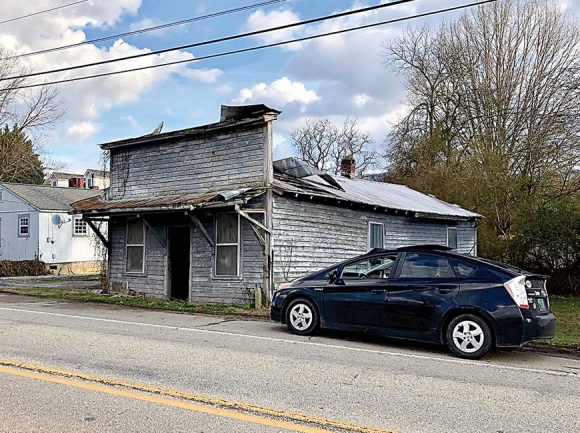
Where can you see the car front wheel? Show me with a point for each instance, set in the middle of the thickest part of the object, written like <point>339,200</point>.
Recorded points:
<point>302,317</point>
<point>469,336</point>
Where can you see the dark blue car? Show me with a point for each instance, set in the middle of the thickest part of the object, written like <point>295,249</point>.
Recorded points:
<point>424,293</point>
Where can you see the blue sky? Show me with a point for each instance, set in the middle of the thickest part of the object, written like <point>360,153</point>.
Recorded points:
<point>334,77</point>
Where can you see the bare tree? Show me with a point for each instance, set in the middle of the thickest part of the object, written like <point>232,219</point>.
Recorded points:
<point>323,145</point>
<point>494,102</point>
<point>27,113</point>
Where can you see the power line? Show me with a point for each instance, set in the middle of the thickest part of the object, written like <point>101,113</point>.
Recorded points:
<point>213,41</point>
<point>260,47</point>
<point>150,29</point>
<point>43,11</point>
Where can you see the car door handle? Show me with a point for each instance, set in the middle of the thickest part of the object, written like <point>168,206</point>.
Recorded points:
<point>378,291</point>
<point>445,289</point>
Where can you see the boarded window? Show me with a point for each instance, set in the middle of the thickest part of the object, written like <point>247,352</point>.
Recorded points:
<point>452,237</point>
<point>24,225</point>
<point>375,235</point>
<point>135,245</point>
<point>227,244</point>
<point>80,227</point>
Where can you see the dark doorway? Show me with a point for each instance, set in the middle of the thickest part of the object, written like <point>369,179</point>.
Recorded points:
<point>178,262</point>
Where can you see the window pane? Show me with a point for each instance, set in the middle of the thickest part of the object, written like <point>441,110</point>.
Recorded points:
<point>376,267</point>
<point>135,232</point>
<point>426,266</point>
<point>227,228</point>
<point>463,269</point>
<point>227,260</point>
<point>135,259</point>
<point>452,238</point>
<point>376,236</point>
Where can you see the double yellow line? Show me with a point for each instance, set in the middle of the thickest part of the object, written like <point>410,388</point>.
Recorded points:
<point>200,403</point>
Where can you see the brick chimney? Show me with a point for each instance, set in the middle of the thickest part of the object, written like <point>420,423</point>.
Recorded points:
<point>348,166</point>
<point>76,182</point>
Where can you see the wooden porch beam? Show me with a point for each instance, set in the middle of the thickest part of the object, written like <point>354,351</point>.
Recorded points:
<point>150,227</point>
<point>98,233</point>
<point>200,226</point>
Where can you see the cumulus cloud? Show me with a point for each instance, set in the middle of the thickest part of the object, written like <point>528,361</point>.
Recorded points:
<point>82,131</point>
<point>204,75</point>
<point>279,93</point>
<point>260,20</point>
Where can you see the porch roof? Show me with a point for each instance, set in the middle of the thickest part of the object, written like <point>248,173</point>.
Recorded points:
<point>171,202</point>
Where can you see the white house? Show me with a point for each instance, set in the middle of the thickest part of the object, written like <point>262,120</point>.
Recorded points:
<point>35,224</point>
<point>58,178</point>
<point>97,178</point>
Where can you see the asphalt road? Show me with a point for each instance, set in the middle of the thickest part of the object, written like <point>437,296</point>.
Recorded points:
<point>340,377</point>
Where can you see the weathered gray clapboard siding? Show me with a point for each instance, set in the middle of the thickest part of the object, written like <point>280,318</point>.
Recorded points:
<point>224,160</point>
<point>152,281</point>
<point>310,236</point>
<point>204,286</point>
<point>207,288</point>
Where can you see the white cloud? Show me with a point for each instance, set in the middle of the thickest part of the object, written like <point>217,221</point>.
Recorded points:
<point>224,89</point>
<point>260,20</point>
<point>204,75</point>
<point>131,120</point>
<point>146,23</point>
<point>361,99</point>
<point>82,131</point>
<point>279,93</point>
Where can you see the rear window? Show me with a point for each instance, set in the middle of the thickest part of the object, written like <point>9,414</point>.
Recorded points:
<point>463,269</point>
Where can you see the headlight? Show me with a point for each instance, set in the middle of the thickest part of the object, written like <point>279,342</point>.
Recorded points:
<point>284,286</point>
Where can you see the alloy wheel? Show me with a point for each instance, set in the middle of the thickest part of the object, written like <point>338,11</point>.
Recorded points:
<point>468,336</point>
<point>301,316</point>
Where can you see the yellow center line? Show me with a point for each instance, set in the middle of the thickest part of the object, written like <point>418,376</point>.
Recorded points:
<point>225,408</point>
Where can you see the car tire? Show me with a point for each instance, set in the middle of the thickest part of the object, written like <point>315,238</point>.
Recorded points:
<point>302,317</point>
<point>469,336</point>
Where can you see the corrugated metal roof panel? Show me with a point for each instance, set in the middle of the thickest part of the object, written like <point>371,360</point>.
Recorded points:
<point>165,202</point>
<point>380,194</point>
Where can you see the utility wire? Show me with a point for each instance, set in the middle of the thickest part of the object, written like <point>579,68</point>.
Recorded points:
<point>150,29</point>
<point>214,41</point>
<point>43,12</point>
<point>260,47</point>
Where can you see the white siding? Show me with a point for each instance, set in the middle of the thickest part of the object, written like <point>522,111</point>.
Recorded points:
<point>59,245</point>
<point>12,246</point>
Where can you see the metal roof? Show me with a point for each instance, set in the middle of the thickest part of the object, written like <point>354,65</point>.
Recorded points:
<point>171,202</point>
<point>377,194</point>
<point>46,197</point>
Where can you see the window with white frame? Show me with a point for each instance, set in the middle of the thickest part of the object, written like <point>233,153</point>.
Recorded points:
<point>227,245</point>
<point>80,227</point>
<point>375,236</point>
<point>135,245</point>
<point>452,237</point>
<point>24,225</point>
<point>89,182</point>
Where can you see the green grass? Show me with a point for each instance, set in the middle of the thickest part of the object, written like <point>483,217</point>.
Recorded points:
<point>567,311</point>
<point>155,304</point>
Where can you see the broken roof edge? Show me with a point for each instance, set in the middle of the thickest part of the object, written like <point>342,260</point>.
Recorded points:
<point>255,114</point>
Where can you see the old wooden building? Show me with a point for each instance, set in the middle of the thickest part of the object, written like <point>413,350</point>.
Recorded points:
<point>205,214</point>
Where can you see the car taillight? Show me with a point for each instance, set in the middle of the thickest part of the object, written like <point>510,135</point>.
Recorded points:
<point>516,287</point>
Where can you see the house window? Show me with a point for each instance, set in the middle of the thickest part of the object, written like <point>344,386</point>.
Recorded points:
<point>89,183</point>
<point>227,245</point>
<point>135,245</point>
<point>54,183</point>
<point>80,227</point>
<point>24,226</point>
<point>452,237</point>
<point>1,195</point>
<point>375,238</point>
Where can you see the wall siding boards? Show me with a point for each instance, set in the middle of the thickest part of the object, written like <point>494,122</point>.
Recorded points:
<point>310,236</point>
<point>220,161</point>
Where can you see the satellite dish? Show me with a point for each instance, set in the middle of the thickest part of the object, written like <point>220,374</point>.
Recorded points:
<point>57,220</point>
